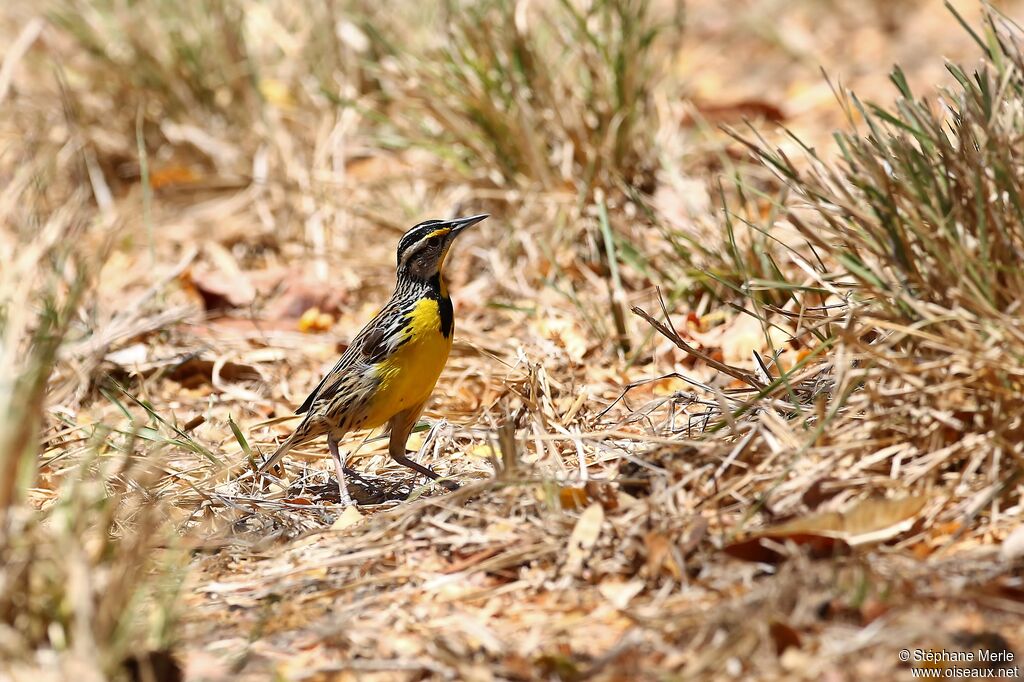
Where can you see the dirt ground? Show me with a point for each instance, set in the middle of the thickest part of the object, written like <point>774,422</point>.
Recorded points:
<point>601,530</point>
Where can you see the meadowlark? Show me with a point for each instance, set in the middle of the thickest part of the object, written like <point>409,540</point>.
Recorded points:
<point>388,372</point>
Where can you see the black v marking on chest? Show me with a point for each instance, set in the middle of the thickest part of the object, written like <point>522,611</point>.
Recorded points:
<point>445,311</point>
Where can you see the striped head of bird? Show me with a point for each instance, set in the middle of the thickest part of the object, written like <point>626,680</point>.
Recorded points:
<point>422,250</point>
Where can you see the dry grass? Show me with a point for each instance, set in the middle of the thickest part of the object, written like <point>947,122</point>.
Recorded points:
<point>800,447</point>
<point>87,585</point>
<point>489,100</point>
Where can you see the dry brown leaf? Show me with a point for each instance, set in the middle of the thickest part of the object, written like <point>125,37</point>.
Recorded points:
<point>583,538</point>
<point>659,556</point>
<point>871,520</point>
<point>697,533</point>
<point>197,371</point>
<point>313,321</point>
<point>783,637</point>
<point>821,491</point>
<point>762,548</point>
<point>1004,587</point>
<point>350,517</point>
<point>299,293</point>
<point>572,498</point>
<point>1013,546</point>
<point>220,281</point>
<point>746,335</point>
<point>824,534</point>
<point>733,112</point>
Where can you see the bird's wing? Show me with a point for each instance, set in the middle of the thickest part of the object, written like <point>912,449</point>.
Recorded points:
<point>366,347</point>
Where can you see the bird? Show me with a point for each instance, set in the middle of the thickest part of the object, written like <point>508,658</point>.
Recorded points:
<point>388,372</point>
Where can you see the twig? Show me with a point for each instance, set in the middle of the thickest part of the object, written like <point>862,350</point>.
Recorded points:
<point>674,337</point>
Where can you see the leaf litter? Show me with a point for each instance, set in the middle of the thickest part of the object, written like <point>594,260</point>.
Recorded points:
<point>605,502</point>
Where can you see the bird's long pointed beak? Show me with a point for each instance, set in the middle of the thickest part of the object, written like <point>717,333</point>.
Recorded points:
<point>460,224</point>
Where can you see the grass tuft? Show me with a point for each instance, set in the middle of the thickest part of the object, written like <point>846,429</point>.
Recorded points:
<point>81,536</point>
<point>498,109</point>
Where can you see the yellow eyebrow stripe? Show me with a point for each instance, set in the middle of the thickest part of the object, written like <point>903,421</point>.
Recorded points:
<point>438,233</point>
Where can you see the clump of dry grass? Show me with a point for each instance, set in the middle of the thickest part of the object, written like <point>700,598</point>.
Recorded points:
<point>893,274</point>
<point>917,232</point>
<point>497,106</point>
<point>174,59</point>
<point>81,536</point>
<point>570,150</point>
<point>923,210</point>
<point>203,109</point>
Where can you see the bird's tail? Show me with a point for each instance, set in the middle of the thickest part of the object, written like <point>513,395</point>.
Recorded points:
<point>281,451</point>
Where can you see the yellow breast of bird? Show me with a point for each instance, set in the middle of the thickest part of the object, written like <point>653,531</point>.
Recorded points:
<point>407,376</point>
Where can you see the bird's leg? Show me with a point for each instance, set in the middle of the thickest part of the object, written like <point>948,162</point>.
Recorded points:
<point>401,426</point>
<point>339,464</point>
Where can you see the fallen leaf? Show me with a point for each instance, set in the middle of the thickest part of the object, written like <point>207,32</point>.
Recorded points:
<point>828,533</point>
<point>668,386</point>
<point>196,372</point>
<point>173,175</point>
<point>350,517</point>
<point>416,440</point>
<point>483,450</point>
<point>1004,587</point>
<point>565,333</point>
<point>605,493</point>
<point>759,549</point>
<point>745,335</point>
<point>620,593</point>
<point>871,520</point>
<point>697,533</point>
<point>822,490</point>
<point>783,637</point>
<point>299,293</point>
<point>1013,545</point>
<point>315,321</point>
<point>878,520</point>
<point>733,112</point>
<point>659,556</point>
<point>572,498</point>
<point>584,536</point>
<point>219,281</point>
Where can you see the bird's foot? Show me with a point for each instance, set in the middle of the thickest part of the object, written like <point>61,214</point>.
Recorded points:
<point>451,486</point>
<point>362,480</point>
